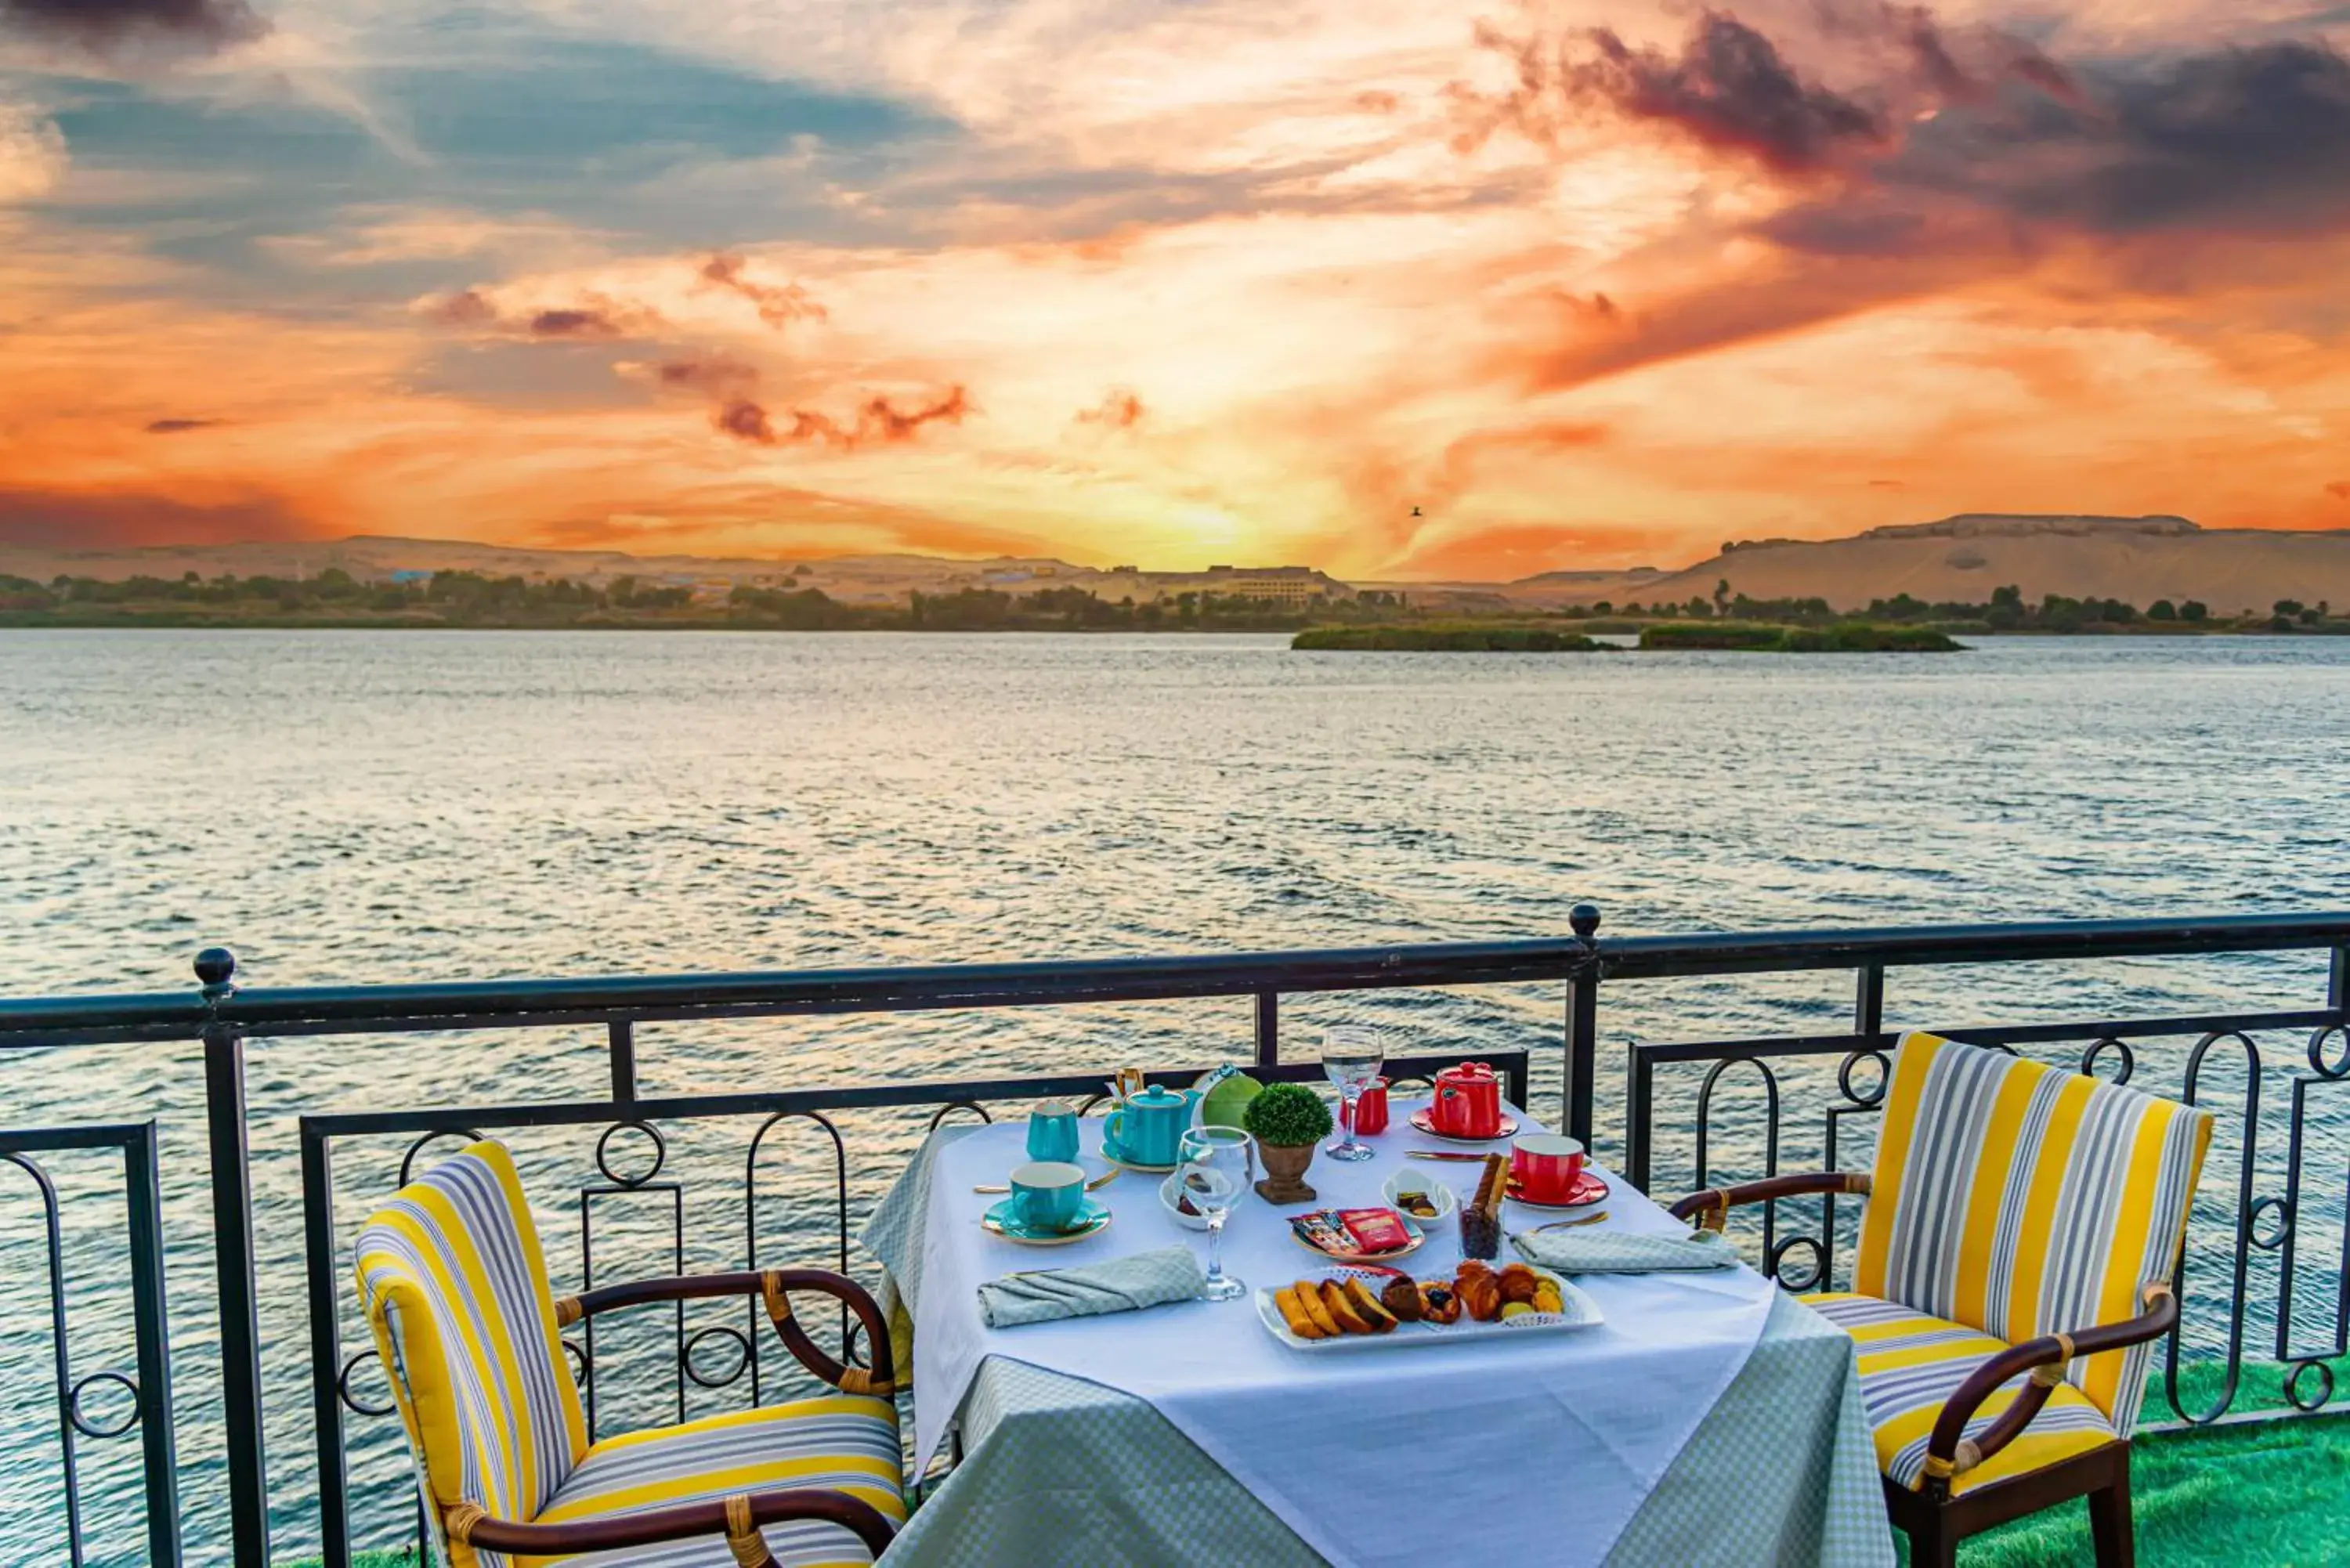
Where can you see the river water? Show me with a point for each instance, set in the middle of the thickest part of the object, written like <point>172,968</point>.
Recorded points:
<point>358,807</point>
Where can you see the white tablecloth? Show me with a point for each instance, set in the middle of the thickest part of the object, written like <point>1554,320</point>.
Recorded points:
<point>1545,1447</point>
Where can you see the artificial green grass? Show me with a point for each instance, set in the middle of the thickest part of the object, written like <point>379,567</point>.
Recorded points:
<point>2271,1495</point>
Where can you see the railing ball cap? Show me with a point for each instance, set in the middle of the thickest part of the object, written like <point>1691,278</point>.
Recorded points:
<point>1584,920</point>
<point>214,966</point>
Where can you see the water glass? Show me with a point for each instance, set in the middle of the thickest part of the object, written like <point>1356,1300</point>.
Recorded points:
<point>1352,1055</point>
<point>1213,1171</point>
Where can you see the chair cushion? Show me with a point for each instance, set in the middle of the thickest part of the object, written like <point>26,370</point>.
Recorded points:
<point>455,1286</point>
<point>842,1441</point>
<point>1911,1365</point>
<point>2021,1199</point>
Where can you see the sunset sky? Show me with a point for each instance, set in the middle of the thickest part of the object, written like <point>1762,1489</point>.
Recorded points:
<point>1590,282</point>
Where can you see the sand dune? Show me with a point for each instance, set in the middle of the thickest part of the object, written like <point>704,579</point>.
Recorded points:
<point>2140,559</point>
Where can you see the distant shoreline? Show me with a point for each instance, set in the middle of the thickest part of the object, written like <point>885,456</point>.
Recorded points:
<point>15,621</point>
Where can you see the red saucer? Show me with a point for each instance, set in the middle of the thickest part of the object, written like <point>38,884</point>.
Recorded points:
<point>1421,1120</point>
<point>1589,1190</point>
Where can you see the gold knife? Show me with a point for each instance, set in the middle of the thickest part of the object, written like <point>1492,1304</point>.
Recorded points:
<point>1443,1154</point>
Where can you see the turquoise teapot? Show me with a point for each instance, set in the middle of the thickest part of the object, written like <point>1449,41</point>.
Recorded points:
<point>1148,1127</point>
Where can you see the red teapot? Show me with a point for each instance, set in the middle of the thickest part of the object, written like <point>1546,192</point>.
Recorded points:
<point>1468,1103</point>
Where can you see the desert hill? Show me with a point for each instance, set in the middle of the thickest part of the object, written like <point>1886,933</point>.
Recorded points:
<point>2138,559</point>
<point>1964,557</point>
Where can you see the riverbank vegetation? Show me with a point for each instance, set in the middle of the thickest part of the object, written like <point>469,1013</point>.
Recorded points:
<point>468,599</point>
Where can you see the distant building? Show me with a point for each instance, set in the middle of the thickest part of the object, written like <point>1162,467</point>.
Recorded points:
<point>1290,586</point>
<point>405,576</point>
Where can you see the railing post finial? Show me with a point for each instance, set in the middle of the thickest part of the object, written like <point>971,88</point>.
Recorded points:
<point>217,968</point>
<point>1584,921</point>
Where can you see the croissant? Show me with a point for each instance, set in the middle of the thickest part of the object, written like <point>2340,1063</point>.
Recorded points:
<point>1518,1283</point>
<point>1439,1303</point>
<point>1480,1295</point>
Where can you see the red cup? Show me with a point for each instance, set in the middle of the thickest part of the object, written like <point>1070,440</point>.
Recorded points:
<point>1370,1113</point>
<point>1544,1167</point>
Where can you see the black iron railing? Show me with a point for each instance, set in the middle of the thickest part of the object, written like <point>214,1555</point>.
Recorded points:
<point>2263,1213</point>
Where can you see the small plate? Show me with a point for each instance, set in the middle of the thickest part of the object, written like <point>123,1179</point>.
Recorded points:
<point>1112,1158</point>
<point>1419,1119</point>
<point>1589,1190</point>
<point>1447,1201</point>
<point>1167,1201</point>
<point>1419,1240</point>
<point>998,1221</point>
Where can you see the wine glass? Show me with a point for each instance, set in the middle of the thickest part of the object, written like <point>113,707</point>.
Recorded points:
<point>1213,1173</point>
<point>1352,1055</point>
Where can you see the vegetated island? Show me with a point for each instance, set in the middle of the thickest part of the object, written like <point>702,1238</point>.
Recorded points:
<point>1446,637</point>
<point>1845,637</point>
<point>1742,637</point>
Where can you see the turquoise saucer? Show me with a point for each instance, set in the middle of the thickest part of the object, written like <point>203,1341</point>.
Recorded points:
<point>1124,1161</point>
<point>1002,1222</point>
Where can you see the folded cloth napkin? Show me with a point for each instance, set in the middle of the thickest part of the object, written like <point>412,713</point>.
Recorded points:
<point>1144,1280</point>
<point>1602,1251</point>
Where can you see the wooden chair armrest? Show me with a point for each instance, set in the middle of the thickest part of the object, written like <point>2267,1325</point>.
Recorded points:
<point>774,1287</point>
<point>1949,1453</point>
<point>1712,1206</point>
<point>737,1518</point>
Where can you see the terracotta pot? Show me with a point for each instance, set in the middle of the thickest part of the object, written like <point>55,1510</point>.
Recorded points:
<point>1284,1172</point>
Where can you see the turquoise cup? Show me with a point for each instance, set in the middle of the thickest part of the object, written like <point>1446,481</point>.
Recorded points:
<point>1053,1132</point>
<point>1048,1196</point>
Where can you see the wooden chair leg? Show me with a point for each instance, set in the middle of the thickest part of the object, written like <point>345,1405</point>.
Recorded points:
<point>1933,1545</point>
<point>2109,1521</point>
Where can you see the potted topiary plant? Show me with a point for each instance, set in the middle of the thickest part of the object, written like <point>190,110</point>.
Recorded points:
<point>1286,1120</point>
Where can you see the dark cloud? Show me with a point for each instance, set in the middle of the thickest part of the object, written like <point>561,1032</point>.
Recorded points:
<point>574,321</point>
<point>735,409</point>
<point>1729,88</point>
<point>779,305</point>
<point>592,317</point>
<point>878,421</point>
<point>1378,100</point>
<point>719,375</point>
<point>2339,490</point>
<point>1119,410</point>
<point>175,427</point>
<point>108,27</point>
<point>59,520</point>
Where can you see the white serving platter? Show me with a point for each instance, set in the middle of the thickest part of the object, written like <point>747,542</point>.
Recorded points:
<point>1579,1311</point>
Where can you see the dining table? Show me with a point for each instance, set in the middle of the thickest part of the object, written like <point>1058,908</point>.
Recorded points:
<point>1707,1418</point>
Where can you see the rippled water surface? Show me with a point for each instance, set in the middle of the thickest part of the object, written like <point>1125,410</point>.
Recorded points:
<point>352,807</point>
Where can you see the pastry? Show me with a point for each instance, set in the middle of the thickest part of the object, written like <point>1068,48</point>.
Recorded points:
<point>1481,1294</point>
<point>1294,1313</point>
<point>1309,1296</point>
<point>1369,1307</point>
<point>1518,1283</point>
<point>1341,1308</point>
<point>1439,1303</point>
<point>1517,1309</point>
<point>1401,1298</point>
<point>1547,1297</point>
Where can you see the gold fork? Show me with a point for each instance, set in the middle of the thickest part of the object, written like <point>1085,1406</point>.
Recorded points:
<point>1569,1224</point>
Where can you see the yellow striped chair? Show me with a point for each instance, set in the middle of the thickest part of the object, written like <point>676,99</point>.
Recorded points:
<point>456,1293</point>
<point>2022,1229</point>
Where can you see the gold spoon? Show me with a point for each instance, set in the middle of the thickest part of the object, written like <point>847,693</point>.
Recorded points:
<point>1096,1184</point>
